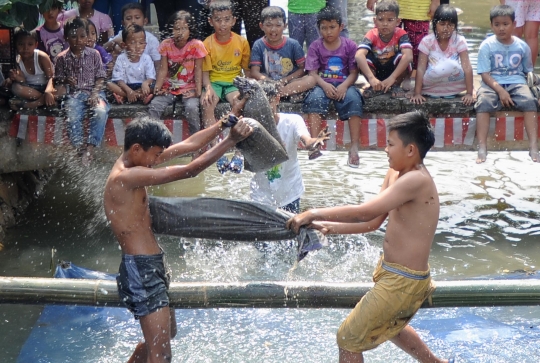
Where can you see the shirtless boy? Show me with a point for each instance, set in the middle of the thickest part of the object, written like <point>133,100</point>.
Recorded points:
<point>402,280</point>
<point>143,279</point>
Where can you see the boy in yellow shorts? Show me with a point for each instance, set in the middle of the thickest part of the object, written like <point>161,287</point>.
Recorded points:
<point>228,54</point>
<point>402,280</point>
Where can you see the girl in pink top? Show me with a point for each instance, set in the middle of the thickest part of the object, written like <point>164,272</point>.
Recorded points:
<point>102,21</point>
<point>444,68</point>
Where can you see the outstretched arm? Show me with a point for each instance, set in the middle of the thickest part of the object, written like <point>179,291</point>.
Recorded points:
<point>138,177</point>
<point>192,143</point>
<point>403,190</point>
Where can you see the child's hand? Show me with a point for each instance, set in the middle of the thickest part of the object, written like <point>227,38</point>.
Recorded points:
<point>319,226</point>
<point>329,90</point>
<point>387,84</point>
<point>370,4</point>
<point>375,84</point>
<point>418,99</point>
<point>209,97</point>
<point>505,98</point>
<point>16,76</point>
<point>341,91</point>
<point>132,96</point>
<point>321,138</point>
<point>240,131</point>
<point>49,99</point>
<point>145,89</point>
<point>468,99</point>
<point>72,81</point>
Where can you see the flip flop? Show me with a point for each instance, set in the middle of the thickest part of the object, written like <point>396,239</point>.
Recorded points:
<point>314,154</point>
<point>16,103</point>
<point>351,164</point>
<point>148,98</point>
<point>237,164</point>
<point>119,99</point>
<point>222,164</point>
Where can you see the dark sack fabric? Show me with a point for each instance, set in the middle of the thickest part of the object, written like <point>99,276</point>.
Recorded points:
<point>231,220</point>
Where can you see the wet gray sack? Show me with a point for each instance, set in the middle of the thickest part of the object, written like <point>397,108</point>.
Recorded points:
<point>264,148</point>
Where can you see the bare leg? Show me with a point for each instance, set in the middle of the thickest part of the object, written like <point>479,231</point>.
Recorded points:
<point>409,341</point>
<point>354,129</point>
<point>482,128</point>
<point>114,88</point>
<point>156,329</point>
<point>314,122</point>
<point>25,92</point>
<point>530,31</point>
<point>531,126</point>
<point>350,357</point>
<point>298,85</point>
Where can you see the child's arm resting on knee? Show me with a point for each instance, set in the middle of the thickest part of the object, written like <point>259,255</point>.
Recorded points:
<point>363,66</point>
<point>504,96</point>
<point>469,98</point>
<point>402,66</point>
<point>329,90</point>
<point>403,190</point>
<point>341,90</point>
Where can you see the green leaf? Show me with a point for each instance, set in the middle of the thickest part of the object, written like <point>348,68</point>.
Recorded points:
<point>28,2</point>
<point>7,20</point>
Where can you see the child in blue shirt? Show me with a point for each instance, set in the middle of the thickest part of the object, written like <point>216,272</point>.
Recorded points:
<point>277,57</point>
<point>503,62</point>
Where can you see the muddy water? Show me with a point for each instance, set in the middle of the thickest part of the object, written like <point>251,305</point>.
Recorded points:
<point>489,224</point>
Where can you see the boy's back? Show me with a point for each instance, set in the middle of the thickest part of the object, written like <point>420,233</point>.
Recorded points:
<point>225,61</point>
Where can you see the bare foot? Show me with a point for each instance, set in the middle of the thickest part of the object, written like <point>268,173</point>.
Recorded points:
<point>354,159</point>
<point>482,153</point>
<point>534,156</point>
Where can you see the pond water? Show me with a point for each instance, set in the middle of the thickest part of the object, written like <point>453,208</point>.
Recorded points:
<point>489,224</point>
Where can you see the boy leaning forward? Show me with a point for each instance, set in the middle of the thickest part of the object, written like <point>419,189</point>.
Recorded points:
<point>409,199</point>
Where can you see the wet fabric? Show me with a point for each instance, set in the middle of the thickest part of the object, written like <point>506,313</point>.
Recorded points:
<point>386,309</point>
<point>143,282</point>
<point>230,220</point>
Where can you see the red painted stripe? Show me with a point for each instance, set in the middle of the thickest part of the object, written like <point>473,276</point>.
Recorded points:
<point>14,127</point>
<point>185,129</point>
<point>340,127</point>
<point>519,123</point>
<point>169,124</point>
<point>448,131</point>
<point>31,135</point>
<point>110,135</point>
<point>433,121</point>
<point>500,128</point>
<point>381,133</point>
<point>50,123</point>
<point>364,132</point>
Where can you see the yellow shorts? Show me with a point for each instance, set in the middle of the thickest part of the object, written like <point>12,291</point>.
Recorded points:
<point>386,309</point>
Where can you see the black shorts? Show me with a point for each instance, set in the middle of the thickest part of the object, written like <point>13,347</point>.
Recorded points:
<point>143,283</point>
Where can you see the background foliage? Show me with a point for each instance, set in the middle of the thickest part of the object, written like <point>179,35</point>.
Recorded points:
<point>13,13</point>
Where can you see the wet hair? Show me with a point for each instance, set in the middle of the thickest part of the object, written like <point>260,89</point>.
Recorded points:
<point>273,12</point>
<point>75,24</point>
<point>387,6</point>
<point>502,10</point>
<point>445,13</point>
<point>55,4</point>
<point>90,23</point>
<point>329,13</point>
<point>147,132</point>
<point>188,18</point>
<point>130,30</point>
<point>414,128</point>
<point>221,6</point>
<point>23,33</point>
<point>132,6</point>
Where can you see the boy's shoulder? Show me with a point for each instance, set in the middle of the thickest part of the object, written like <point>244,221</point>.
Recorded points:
<point>63,54</point>
<point>151,39</point>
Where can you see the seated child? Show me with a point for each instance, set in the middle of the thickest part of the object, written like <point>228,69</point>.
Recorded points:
<point>228,55</point>
<point>503,62</point>
<point>32,81</point>
<point>133,74</point>
<point>106,58</point>
<point>180,72</point>
<point>384,56</point>
<point>133,13</point>
<point>277,57</point>
<point>330,61</point>
<point>444,69</point>
<point>50,35</point>
<point>282,186</point>
<point>79,70</point>
<point>85,10</point>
